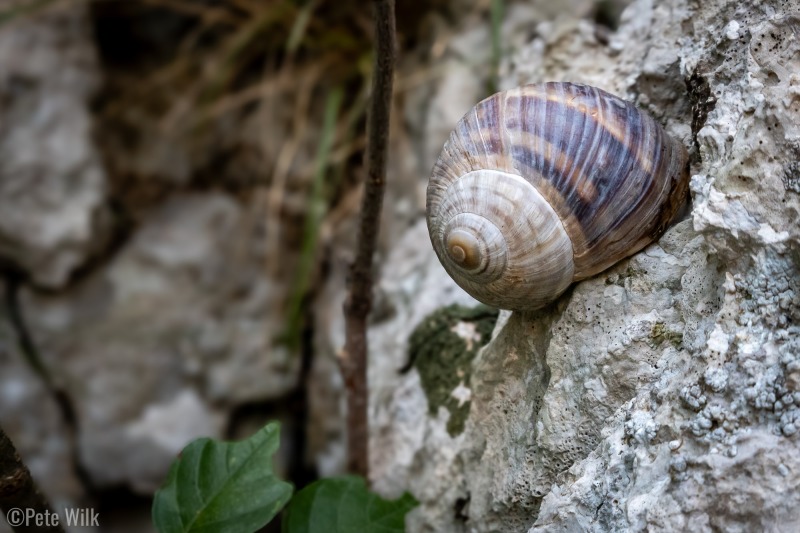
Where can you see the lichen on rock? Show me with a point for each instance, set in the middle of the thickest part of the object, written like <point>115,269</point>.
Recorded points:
<point>442,349</point>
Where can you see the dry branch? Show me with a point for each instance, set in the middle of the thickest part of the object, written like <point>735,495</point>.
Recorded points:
<point>359,300</point>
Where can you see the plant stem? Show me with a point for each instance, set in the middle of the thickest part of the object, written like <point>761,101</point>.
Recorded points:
<point>18,492</point>
<point>353,359</point>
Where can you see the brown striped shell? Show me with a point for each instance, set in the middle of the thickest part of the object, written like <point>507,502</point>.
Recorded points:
<point>543,185</point>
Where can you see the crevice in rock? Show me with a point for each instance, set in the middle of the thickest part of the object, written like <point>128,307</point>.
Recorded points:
<point>460,509</point>
<point>607,13</point>
<point>301,469</point>
<point>14,281</point>
<point>292,411</point>
<point>703,102</point>
<point>120,229</point>
<point>598,508</point>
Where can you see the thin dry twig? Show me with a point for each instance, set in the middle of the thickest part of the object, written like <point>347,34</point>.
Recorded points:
<point>353,359</point>
<point>18,493</point>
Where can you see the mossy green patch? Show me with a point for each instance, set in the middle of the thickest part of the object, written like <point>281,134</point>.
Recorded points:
<point>660,333</point>
<point>442,348</point>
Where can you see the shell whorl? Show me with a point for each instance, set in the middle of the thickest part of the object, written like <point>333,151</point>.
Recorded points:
<point>493,229</point>
<point>547,184</point>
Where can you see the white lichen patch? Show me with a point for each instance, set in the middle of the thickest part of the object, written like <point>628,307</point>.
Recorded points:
<point>461,394</point>
<point>467,331</point>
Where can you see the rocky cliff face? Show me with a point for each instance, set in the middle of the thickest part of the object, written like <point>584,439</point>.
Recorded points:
<point>663,394</point>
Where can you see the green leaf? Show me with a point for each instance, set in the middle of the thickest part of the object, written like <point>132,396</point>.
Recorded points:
<point>344,505</point>
<point>222,487</point>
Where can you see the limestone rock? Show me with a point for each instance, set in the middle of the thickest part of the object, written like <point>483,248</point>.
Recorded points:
<point>181,307</point>
<point>52,183</point>
<point>160,433</point>
<point>40,435</point>
<point>661,395</point>
<point>410,288</point>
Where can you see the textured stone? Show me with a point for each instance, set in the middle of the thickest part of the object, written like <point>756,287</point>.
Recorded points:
<point>661,395</point>
<point>160,433</point>
<point>52,184</point>
<point>409,289</point>
<point>173,325</point>
<point>41,436</point>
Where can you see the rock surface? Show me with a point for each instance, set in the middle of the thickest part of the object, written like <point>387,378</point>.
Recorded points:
<point>52,184</point>
<point>411,286</point>
<point>182,308</point>
<point>663,394</point>
<point>41,436</point>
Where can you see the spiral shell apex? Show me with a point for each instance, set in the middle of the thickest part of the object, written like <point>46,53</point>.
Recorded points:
<point>544,185</point>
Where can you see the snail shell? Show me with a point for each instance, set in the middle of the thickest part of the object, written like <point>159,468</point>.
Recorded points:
<point>544,185</point>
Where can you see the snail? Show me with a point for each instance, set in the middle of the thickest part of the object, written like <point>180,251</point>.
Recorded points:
<point>544,185</point>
